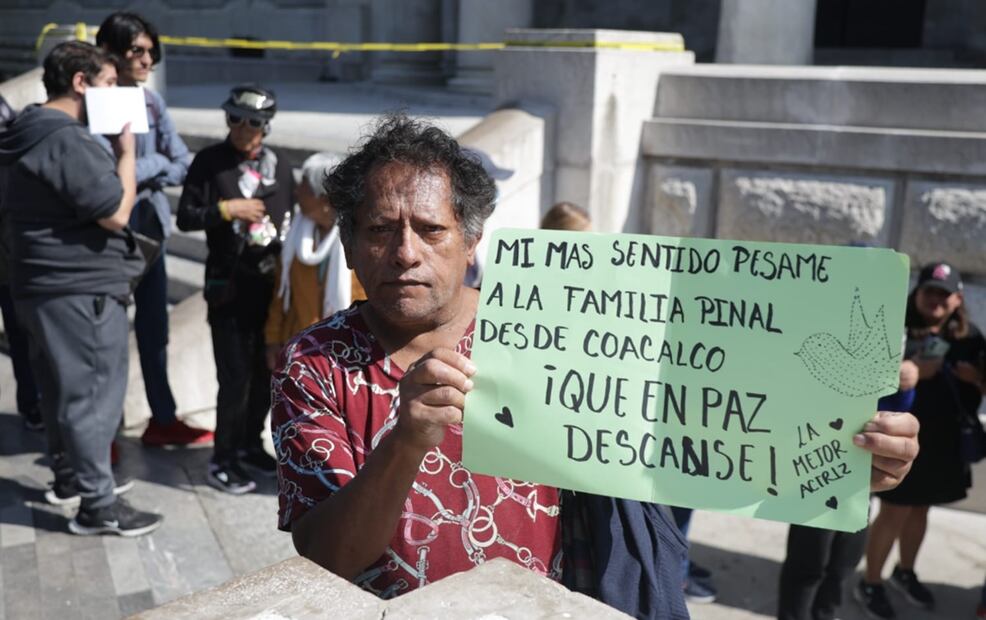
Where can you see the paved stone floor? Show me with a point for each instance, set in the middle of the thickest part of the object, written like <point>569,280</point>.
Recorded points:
<point>207,537</point>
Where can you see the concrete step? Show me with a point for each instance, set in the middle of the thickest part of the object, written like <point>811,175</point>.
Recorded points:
<point>879,97</point>
<point>185,277</point>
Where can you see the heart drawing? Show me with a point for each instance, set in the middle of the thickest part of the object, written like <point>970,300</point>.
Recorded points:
<point>836,424</point>
<point>505,417</point>
<point>832,502</point>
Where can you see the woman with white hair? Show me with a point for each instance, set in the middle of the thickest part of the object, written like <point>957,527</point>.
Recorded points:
<point>313,281</point>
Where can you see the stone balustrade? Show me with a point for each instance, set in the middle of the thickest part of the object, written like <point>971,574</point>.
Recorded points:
<point>834,155</point>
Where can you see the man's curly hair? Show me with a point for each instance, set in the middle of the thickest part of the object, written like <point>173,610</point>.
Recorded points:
<point>398,138</point>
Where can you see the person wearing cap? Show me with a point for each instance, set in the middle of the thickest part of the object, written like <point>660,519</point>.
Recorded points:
<point>239,192</point>
<point>162,161</point>
<point>948,350</point>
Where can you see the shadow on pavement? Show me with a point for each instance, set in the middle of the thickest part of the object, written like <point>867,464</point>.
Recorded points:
<point>749,582</point>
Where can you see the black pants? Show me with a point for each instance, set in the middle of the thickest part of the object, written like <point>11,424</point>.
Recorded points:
<point>27,389</point>
<point>817,565</point>
<point>244,385</point>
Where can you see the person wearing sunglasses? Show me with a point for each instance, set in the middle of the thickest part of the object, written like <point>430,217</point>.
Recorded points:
<point>239,191</point>
<point>162,161</point>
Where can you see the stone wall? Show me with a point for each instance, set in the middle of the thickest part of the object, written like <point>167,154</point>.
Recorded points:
<point>696,20</point>
<point>294,20</point>
<point>888,157</point>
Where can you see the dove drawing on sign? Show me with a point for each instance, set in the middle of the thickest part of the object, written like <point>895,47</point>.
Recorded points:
<point>861,366</point>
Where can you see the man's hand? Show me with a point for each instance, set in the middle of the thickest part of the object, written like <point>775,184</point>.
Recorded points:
<point>892,437</point>
<point>348,531</point>
<point>246,209</point>
<point>124,143</point>
<point>909,375</point>
<point>124,146</point>
<point>432,393</point>
<point>969,373</point>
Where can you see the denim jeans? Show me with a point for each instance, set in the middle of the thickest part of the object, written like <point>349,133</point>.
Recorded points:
<point>151,330</point>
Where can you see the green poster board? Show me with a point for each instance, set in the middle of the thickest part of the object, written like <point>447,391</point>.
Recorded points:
<point>713,374</point>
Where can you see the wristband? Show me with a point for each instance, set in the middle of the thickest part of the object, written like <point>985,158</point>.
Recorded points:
<point>224,211</point>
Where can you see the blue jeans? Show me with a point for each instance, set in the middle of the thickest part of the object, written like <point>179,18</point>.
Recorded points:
<point>151,330</point>
<point>27,388</point>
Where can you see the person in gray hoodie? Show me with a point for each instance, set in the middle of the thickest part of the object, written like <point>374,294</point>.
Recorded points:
<point>73,261</point>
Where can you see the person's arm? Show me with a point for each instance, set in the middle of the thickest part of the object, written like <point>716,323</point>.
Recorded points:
<point>172,147</point>
<point>970,374</point>
<point>892,438</point>
<point>348,531</point>
<point>195,212</point>
<point>125,150</point>
<point>150,166</point>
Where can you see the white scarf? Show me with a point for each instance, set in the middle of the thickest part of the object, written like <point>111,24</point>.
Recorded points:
<point>300,243</point>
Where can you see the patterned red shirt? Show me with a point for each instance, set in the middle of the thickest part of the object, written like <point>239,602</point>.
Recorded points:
<point>334,399</point>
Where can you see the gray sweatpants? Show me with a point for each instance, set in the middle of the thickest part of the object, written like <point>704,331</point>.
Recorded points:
<point>79,358</point>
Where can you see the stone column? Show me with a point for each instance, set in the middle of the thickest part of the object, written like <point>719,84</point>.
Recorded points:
<point>482,21</point>
<point>600,96</point>
<point>408,21</point>
<point>769,32</point>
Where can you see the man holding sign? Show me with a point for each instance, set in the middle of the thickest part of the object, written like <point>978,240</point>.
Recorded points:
<point>368,404</point>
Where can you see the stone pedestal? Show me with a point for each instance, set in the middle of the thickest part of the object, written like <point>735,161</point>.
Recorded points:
<point>767,32</point>
<point>601,95</point>
<point>299,589</point>
<point>410,21</point>
<point>481,21</point>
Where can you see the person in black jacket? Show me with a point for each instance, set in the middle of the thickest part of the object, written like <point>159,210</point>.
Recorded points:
<point>239,191</point>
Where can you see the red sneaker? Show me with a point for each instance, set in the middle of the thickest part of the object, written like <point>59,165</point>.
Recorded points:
<point>175,434</point>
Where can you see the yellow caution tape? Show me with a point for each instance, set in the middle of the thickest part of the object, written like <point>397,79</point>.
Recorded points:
<point>337,48</point>
<point>81,32</point>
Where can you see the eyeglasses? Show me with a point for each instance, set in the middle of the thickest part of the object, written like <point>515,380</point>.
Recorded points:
<point>138,52</point>
<point>235,120</point>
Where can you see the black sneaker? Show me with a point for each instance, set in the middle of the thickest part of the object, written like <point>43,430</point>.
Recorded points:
<point>64,493</point>
<point>258,460</point>
<point>230,478</point>
<point>32,419</point>
<point>873,599</point>
<point>913,590</point>
<point>119,518</point>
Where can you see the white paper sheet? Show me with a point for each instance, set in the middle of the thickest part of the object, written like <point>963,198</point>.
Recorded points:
<point>110,108</point>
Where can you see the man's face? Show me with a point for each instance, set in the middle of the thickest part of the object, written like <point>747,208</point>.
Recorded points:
<point>407,249</point>
<point>244,137</point>
<point>935,304</point>
<point>105,78</point>
<point>137,61</point>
